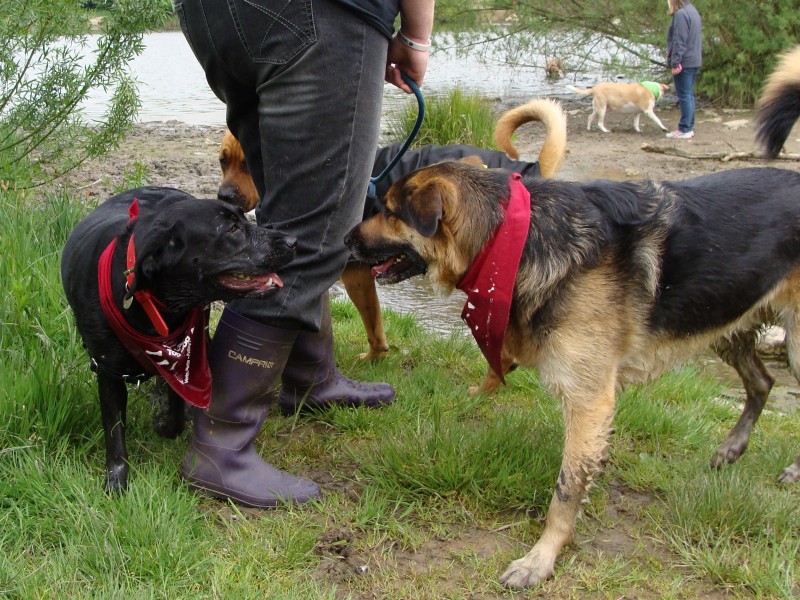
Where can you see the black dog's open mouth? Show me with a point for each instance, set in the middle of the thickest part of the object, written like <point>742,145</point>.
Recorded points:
<point>399,268</point>
<point>250,285</point>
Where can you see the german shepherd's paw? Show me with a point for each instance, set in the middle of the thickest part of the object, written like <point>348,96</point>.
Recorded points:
<point>529,571</point>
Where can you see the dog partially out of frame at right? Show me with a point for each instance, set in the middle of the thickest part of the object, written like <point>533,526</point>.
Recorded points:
<point>617,283</point>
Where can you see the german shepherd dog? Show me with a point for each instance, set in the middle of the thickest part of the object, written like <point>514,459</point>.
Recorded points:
<point>617,283</point>
<point>237,188</point>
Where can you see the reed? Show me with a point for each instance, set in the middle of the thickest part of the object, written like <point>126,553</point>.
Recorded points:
<point>458,117</point>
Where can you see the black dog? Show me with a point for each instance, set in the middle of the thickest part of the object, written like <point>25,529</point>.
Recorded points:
<point>131,297</point>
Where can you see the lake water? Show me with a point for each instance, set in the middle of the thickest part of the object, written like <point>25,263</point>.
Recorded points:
<point>172,84</point>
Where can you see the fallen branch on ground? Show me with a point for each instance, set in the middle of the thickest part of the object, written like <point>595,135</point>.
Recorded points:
<point>722,156</point>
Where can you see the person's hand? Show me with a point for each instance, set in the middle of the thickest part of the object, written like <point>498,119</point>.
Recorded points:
<point>677,70</point>
<point>402,58</point>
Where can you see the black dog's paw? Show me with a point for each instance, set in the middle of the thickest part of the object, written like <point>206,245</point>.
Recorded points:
<point>117,477</point>
<point>169,416</point>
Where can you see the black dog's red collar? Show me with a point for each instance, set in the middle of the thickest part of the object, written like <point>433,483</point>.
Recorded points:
<point>149,303</point>
<point>180,357</point>
<point>489,282</point>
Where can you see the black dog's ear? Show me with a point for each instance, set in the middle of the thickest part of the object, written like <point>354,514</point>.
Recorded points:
<point>162,246</point>
<point>423,208</point>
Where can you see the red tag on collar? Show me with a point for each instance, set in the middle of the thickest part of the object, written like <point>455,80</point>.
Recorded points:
<point>489,282</point>
<point>149,303</point>
<point>180,358</point>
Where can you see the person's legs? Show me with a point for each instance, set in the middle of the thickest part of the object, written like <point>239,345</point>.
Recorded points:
<point>246,357</point>
<point>306,108</point>
<point>684,90</point>
<point>304,101</point>
<point>691,76</point>
<point>319,120</point>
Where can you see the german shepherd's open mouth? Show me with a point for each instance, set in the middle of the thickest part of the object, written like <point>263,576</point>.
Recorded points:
<point>398,267</point>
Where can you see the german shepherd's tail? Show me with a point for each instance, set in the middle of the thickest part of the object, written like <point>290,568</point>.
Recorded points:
<point>548,112</point>
<point>779,106</point>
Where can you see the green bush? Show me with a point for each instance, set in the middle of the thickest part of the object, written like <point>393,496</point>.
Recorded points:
<point>48,68</point>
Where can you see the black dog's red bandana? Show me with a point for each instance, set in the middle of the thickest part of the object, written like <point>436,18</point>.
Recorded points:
<point>489,282</point>
<point>179,357</point>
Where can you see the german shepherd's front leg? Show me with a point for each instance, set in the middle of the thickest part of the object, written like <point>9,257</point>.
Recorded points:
<point>587,427</point>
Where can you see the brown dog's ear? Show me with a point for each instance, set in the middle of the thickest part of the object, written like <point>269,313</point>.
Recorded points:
<point>423,208</point>
<point>473,160</point>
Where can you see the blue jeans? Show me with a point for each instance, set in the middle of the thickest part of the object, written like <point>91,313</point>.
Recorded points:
<point>303,85</point>
<point>684,89</point>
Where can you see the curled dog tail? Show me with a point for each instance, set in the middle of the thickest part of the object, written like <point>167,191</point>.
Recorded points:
<point>779,106</point>
<point>548,112</point>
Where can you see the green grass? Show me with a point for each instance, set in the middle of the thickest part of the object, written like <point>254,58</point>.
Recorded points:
<point>458,117</point>
<point>429,497</point>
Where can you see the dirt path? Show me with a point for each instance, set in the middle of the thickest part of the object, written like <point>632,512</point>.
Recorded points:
<point>185,156</point>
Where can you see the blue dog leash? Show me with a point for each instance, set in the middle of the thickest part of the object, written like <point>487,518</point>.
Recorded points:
<point>371,190</point>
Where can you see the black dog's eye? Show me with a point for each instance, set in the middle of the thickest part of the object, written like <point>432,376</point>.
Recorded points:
<point>234,227</point>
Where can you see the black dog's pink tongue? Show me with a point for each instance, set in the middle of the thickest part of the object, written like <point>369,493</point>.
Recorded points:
<point>383,267</point>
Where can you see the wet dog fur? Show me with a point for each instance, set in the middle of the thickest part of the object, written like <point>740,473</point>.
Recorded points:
<point>237,187</point>
<point>619,282</point>
<point>624,97</point>
<point>189,253</point>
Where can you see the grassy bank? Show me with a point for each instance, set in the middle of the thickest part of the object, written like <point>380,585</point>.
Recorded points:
<point>427,498</point>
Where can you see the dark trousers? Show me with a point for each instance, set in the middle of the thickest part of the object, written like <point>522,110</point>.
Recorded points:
<point>684,89</point>
<point>303,86</point>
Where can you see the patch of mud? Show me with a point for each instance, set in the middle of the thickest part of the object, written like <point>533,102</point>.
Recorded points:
<point>170,154</point>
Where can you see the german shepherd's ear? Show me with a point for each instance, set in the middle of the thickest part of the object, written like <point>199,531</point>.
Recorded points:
<point>423,208</point>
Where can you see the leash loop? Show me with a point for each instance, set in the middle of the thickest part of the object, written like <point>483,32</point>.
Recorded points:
<point>409,140</point>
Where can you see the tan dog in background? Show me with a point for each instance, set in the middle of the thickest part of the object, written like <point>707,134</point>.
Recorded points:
<point>624,97</point>
<point>237,188</point>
